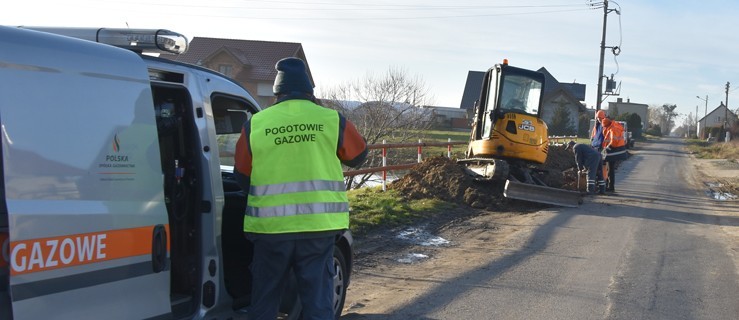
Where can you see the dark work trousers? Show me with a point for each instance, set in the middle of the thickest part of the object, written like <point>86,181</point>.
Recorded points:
<point>312,263</point>
<point>595,171</point>
<point>612,165</point>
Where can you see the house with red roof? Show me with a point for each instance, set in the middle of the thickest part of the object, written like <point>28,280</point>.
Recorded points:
<point>251,63</point>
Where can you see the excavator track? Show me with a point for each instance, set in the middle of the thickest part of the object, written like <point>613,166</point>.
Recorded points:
<point>486,169</point>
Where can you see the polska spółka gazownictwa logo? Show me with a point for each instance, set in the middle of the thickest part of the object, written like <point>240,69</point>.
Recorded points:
<point>116,144</point>
<point>116,159</point>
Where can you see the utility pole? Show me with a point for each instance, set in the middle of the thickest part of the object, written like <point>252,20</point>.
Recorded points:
<point>705,113</point>
<point>606,11</point>
<point>726,112</point>
<point>602,55</point>
<point>696,121</point>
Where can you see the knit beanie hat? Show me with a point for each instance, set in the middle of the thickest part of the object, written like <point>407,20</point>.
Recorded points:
<point>291,77</point>
<point>570,145</point>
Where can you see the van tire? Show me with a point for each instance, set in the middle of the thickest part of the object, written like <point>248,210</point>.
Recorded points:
<point>291,308</point>
<point>341,281</point>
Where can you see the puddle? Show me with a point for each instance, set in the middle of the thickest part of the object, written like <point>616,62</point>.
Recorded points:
<point>717,195</point>
<point>422,237</point>
<point>412,257</point>
<point>721,196</point>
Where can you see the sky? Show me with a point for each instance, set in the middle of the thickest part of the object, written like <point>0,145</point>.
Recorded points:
<point>671,52</point>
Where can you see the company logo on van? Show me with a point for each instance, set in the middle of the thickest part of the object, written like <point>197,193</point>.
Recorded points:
<point>115,159</point>
<point>116,144</point>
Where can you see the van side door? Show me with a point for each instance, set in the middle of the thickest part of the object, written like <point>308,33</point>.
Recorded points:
<point>87,222</point>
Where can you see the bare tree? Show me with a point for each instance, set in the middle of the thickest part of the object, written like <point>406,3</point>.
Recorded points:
<point>656,115</point>
<point>382,107</point>
<point>669,115</point>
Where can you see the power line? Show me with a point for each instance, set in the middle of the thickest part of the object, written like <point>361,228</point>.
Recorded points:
<point>417,6</point>
<point>284,15</point>
<point>364,7</point>
<point>415,18</point>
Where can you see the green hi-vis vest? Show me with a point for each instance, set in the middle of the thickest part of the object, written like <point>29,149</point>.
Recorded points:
<point>297,183</point>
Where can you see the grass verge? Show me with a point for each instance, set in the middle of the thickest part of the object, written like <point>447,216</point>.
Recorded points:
<point>371,208</point>
<point>713,150</point>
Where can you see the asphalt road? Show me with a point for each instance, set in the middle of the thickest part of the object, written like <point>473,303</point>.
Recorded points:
<point>655,250</point>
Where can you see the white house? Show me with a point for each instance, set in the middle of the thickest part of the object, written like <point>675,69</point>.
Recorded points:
<point>715,118</point>
<point>621,107</point>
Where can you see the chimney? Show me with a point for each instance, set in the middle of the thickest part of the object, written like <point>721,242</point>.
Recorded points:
<point>619,100</point>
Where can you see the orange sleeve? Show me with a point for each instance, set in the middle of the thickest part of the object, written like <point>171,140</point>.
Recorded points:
<point>242,157</point>
<point>353,144</point>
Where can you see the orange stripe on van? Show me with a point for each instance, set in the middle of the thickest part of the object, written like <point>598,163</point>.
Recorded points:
<point>45,254</point>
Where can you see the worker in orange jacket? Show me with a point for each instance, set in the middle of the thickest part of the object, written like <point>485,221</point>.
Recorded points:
<point>614,147</point>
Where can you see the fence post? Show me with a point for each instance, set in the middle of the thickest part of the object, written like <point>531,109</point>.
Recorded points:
<point>384,163</point>
<point>419,150</point>
<point>449,148</point>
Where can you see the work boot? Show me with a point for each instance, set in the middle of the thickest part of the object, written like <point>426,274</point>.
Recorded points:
<point>602,189</point>
<point>591,189</point>
<point>610,187</point>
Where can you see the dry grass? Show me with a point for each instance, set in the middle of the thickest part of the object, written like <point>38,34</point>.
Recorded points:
<point>714,150</point>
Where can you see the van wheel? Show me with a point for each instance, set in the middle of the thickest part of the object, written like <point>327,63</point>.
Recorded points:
<point>340,281</point>
<point>290,307</point>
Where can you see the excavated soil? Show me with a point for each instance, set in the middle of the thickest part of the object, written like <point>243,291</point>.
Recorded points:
<point>444,179</point>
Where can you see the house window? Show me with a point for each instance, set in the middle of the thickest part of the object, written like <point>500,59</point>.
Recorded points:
<point>225,69</point>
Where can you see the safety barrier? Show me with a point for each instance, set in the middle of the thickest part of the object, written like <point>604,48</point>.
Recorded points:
<point>385,168</point>
<point>560,140</point>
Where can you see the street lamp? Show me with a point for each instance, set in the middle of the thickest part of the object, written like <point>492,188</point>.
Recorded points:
<point>705,113</point>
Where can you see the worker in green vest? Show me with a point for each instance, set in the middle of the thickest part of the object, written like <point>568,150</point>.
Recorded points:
<point>288,159</point>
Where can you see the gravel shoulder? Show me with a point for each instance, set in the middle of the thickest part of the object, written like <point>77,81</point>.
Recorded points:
<point>721,176</point>
<point>393,267</point>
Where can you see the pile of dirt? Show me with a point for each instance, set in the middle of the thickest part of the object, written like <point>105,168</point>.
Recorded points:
<point>559,159</point>
<point>444,179</point>
<point>558,170</point>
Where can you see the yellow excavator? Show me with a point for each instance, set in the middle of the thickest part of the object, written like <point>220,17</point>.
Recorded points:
<point>508,136</point>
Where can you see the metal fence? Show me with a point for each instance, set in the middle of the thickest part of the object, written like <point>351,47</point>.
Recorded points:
<point>385,167</point>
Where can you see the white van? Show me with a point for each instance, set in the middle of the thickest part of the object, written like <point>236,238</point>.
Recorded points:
<point>114,203</point>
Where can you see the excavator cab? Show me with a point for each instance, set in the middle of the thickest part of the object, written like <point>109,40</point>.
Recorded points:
<point>507,122</point>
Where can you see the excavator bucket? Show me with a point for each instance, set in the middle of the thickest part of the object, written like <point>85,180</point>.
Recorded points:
<point>541,194</point>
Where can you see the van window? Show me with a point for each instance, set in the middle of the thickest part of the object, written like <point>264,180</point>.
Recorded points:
<point>229,115</point>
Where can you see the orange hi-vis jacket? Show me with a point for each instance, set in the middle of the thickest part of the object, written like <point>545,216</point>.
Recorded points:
<point>613,136</point>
